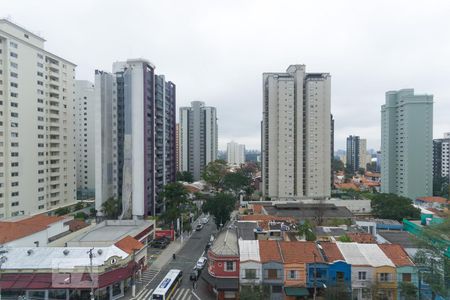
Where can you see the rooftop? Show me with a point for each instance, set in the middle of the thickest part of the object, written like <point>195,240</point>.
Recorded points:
<point>57,257</point>
<point>397,254</point>
<point>14,230</point>
<point>301,211</point>
<point>249,250</point>
<point>331,252</point>
<point>246,229</point>
<point>269,251</point>
<point>111,231</point>
<point>433,200</point>
<point>226,243</point>
<point>329,231</point>
<point>403,238</point>
<point>364,254</point>
<point>300,252</point>
<point>128,244</point>
<point>362,237</point>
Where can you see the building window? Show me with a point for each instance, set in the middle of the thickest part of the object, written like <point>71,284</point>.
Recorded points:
<point>16,203</point>
<point>13,45</point>
<point>13,54</point>
<point>229,266</point>
<point>272,274</point>
<point>293,274</point>
<point>406,277</point>
<point>384,277</point>
<point>13,194</point>
<point>250,274</point>
<point>362,275</point>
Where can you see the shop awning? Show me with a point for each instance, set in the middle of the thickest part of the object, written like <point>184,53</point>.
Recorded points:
<point>296,291</point>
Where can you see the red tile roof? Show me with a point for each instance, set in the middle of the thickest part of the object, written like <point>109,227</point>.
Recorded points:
<point>359,237</point>
<point>433,199</point>
<point>269,251</point>
<point>75,225</point>
<point>129,243</point>
<point>13,230</point>
<point>397,254</point>
<point>300,252</point>
<point>371,174</point>
<point>331,251</point>
<point>257,209</point>
<point>349,185</point>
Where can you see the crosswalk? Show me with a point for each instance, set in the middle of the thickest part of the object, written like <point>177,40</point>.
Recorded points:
<point>147,276</point>
<point>180,294</point>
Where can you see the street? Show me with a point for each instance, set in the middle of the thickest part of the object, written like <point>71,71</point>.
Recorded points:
<point>186,259</point>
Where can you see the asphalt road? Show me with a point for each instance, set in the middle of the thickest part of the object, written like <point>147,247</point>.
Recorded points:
<point>185,260</point>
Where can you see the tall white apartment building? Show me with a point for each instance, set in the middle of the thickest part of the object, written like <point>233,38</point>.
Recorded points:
<point>441,157</point>
<point>235,154</point>
<point>296,135</point>
<point>363,159</point>
<point>37,152</point>
<point>198,137</point>
<point>84,139</point>
<point>407,144</point>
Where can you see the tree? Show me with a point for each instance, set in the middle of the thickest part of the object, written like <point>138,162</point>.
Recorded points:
<point>345,239</point>
<point>175,196</point>
<point>433,242</point>
<point>440,186</point>
<point>78,206</point>
<point>185,176</point>
<point>112,208</point>
<point>371,166</point>
<point>361,171</point>
<point>306,230</point>
<point>337,292</point>
<point>220,206</point>
<point>254,293</point>
<point>337,165</point>
<point>408,290</point>
<point>62,211</point>
<point>235,181</point>
<point>80,216</point>
<point>391,206</point>
<point>214,173</point>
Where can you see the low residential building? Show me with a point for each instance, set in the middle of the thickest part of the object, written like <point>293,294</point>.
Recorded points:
<point>68,273</point>
<point>339,282</point>
<point>222,275</point>
<point>272,269</point>
<point>372,271</point>
<point>35,231</point>
<point>373,225</point>
<point>250,264</point>
<point>432,202</point>
<point>406,270</point>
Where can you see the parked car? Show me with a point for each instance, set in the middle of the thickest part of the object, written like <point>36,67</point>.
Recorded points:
<point>194,275</point>
<point>205,221</point>
<point>201,263</point>
<point>208,246</point>
<point>199,227</point>
<point>160,243</point>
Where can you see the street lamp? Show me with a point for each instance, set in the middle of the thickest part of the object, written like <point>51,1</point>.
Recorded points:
<point>91,256</point>
<point>2,261</point>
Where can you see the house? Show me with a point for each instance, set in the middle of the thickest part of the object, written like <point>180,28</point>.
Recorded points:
<point>302,261</point>
<point>222,274</point>
<point>339,282</point>
<point>406,270</point>
<point>249,264</point>
<point>432,202</point>
<point>272,269</point>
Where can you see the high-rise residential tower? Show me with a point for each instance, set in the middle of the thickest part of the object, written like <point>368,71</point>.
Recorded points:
<point>407,144</point>
<point>235,154</point>
<point>37,149</point>
<point>135,137</point>
<point>296,135</point>
<point>363,156</point>
<point>84,139</point>
<point>198,137</point>
<point>441,157</point>
<point>353,153</point>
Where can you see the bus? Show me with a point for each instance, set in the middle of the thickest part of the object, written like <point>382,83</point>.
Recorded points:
<point>166,288</point>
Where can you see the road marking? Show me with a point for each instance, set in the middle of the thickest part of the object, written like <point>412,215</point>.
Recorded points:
<point>143,289</point>
<point>146,295</point>
<point>196,296</point>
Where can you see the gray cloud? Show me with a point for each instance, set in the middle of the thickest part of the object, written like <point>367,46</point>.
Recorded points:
<point>216,51</point>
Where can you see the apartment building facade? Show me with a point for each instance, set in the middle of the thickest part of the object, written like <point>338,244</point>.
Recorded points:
<point>407,144</point>
<point>37,151</point>
<point>198,137</point>
<point>353,153</point>
<point>235,154</point>
<point>135,137</point>
<point>296,134</point>
<point>84,139</point>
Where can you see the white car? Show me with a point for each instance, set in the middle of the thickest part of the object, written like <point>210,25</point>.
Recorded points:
<point>201,263</point>
<point>205,221</point>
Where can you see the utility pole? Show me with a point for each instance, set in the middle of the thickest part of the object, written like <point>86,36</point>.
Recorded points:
<point>3,259</point>
<point>133,284</point>
<point>91,256</point>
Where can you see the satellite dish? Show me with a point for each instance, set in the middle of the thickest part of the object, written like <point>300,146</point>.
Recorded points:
<point>66,252</point>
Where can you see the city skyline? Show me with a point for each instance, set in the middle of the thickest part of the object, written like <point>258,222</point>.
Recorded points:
<point>234,73</point>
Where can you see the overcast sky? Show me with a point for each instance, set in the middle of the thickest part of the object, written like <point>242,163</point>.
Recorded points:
<point>216,51</point>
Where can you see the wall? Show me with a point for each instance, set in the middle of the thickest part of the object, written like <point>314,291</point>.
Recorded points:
<point>250,265</point>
